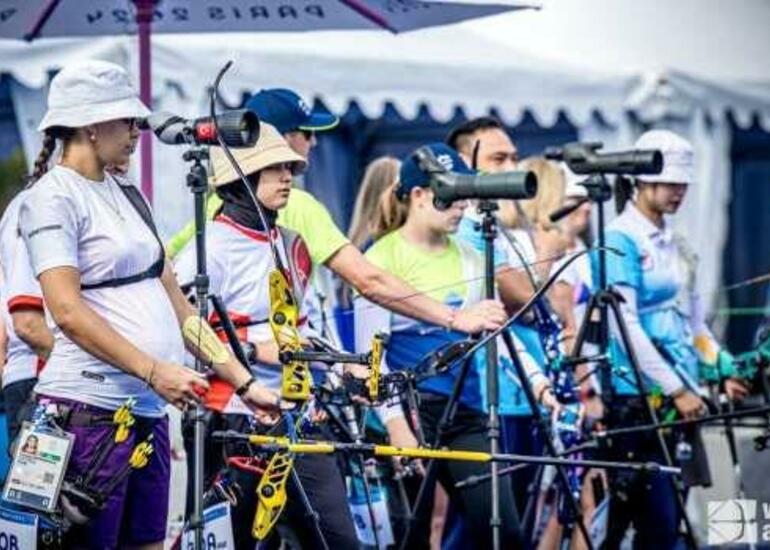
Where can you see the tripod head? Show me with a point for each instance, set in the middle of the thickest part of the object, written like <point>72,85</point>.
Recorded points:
<point>598,188</point>
<point>584,158</point>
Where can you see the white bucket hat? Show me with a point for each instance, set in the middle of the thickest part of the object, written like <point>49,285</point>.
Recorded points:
<point>88,92</point>
<point>678,160</point>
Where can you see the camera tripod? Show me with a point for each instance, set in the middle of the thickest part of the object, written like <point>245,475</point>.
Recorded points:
<point>605,302</point>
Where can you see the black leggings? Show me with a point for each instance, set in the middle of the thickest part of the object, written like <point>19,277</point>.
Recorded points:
<point>468,432</point>
<point>319,476</point>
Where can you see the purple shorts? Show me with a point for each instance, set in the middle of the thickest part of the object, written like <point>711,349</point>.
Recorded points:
<point>136,511</point>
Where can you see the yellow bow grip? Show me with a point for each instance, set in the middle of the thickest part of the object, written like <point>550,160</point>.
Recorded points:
<point>375,364</point>
<point>271,494</point>
<point>284,313</point>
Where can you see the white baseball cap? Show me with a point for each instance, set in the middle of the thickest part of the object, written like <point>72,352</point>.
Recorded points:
<point>678,159</point>
<point>88,92</point>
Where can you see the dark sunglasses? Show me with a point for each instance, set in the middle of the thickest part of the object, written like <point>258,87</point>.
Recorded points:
<point>132,123</point>
<point>308,134</point>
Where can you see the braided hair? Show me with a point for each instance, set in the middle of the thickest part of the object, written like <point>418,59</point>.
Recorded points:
<point>50,136</point>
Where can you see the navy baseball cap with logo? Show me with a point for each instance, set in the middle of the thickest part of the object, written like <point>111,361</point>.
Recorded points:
<point>288,112</point>
<point>411,176</point>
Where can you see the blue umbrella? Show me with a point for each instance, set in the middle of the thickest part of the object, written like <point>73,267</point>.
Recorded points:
<point>34,19</point>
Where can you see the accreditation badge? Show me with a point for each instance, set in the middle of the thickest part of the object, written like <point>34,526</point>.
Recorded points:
<point>38,467</point>
<point>217,529</point>
<point>18,530</point>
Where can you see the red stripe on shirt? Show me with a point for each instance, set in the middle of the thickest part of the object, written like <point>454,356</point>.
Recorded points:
<point>40,365</point>
<point>260,236</point>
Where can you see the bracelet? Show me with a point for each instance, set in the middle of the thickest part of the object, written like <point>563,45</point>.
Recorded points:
<point>241,391</point>
<point>148,378</point>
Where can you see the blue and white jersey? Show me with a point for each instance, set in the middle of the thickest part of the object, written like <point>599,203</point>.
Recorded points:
<point>659,269</point>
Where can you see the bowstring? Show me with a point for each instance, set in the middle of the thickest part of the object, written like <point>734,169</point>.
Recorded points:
<point>507,269</point>
<point>765,278</point>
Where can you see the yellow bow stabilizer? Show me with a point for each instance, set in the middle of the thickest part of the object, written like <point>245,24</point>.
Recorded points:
<point>272,487</point>
<point>280,444</point>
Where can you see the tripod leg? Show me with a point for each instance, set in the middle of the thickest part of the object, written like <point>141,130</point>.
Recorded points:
<point>361,466</point>
<point>545,431</point>
<point>733,446</point>
<point>612,302</point>
<point>350,430</point>
<point>533,494</point>
<point>414,414</point>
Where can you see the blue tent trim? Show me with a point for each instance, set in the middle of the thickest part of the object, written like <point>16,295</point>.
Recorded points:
<point>338,162</point>
<point>747,252</point>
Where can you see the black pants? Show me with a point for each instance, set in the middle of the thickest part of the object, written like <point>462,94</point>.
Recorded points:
<point>468,432</point>
<point>647,501</point>
<point>319,476</point>
<point>18,405</point>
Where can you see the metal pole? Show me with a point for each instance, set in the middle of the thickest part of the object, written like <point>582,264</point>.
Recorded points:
<point>144,11</point>
<point>198,183</point>
<point>488,232</point>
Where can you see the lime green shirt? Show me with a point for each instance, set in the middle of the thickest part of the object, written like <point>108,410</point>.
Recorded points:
<point>303,214</point>
<point>440,275</point>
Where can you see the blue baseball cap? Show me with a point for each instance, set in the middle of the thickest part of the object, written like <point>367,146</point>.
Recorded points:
<point>411,176</point>
<point>288,112</point>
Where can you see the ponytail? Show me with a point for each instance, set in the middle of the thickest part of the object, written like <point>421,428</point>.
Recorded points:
<point>391,212</point>
<point>50,135</point>
<point>624,192</point>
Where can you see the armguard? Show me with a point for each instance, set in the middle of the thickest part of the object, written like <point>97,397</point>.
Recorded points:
<point>202,337</point>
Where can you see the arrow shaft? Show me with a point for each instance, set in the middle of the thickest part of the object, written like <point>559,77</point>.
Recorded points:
<point>680,423</point>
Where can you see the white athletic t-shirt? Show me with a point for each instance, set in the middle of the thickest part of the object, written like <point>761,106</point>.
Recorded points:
<point>19,289</point>
<point>238,262</point>
<point>68,220</point>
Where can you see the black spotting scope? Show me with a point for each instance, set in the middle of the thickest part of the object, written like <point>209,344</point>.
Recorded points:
<point>238,128</point>
<point>451,186</point>
<point>582,158</point>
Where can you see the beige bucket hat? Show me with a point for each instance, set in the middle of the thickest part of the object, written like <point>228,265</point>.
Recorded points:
<point>270,149</point>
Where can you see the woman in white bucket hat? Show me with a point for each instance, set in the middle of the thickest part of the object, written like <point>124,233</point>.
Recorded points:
<point>674,347</point>
<point>120,320</point>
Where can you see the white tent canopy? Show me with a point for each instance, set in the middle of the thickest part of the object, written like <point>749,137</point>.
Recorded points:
<point>575,56</point>
<point>717,40</point>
